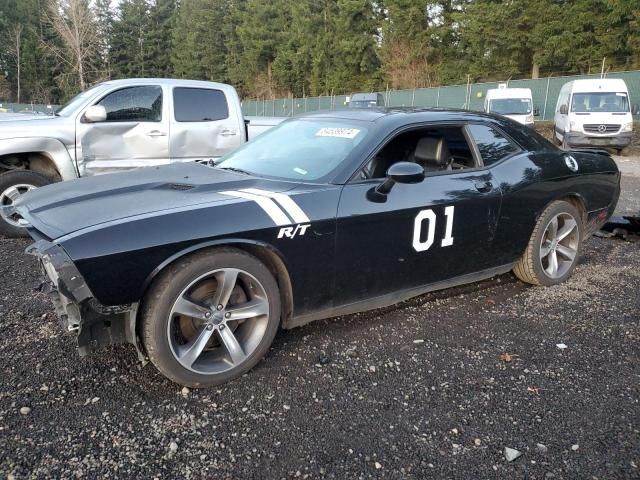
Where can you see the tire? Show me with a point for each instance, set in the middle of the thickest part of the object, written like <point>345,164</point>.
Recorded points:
<point>169,336</point>
<point>534,266</point>
<point>13,184</point>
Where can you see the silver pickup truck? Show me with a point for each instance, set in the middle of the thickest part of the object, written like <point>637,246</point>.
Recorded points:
<point>120,125</point>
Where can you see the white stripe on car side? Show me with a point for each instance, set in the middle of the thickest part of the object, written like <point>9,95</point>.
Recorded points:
<point>268,205</point>
<point>291,207</point>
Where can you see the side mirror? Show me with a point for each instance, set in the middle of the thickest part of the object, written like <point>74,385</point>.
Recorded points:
<point>95,113</point>
<point>635,110</point>
<point>401,172</point>
<point>564,109</point>
<point>536,112</point>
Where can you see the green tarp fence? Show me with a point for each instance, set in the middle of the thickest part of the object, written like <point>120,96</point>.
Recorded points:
<point>471,97</point>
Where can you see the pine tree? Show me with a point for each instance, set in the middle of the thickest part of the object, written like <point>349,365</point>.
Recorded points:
<point>127,53</point>
<point>199,47</point>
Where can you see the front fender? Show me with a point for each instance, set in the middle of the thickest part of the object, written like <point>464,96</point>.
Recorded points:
<point>51,147</point>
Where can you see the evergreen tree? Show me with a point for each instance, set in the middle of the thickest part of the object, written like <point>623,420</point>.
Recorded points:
<point>199,48</point>
<point>158,38</point>
<point>127,53</point>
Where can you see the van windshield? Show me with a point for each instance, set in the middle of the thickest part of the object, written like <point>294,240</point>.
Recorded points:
<point>510,106</point>
<point>600,102</point>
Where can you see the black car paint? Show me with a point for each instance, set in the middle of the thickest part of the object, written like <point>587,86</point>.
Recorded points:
<point>120,230</point>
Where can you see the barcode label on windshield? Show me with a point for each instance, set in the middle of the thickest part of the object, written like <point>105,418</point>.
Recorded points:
<point>338,132</point>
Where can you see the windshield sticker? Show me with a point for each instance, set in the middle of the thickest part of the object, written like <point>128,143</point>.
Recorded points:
<point>300,171</point>
<point>350,133</point>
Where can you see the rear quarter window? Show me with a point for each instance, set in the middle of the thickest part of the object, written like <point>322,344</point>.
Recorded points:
<point>492,145</point>
<point>199,104</point>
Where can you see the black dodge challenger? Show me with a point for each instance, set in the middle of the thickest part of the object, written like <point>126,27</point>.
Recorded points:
<point>326,214</point>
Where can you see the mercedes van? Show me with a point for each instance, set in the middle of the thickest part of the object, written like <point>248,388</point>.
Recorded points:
<point>594,113</point>
<point>514,103</point>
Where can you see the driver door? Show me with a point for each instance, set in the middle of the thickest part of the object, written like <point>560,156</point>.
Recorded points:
<point>418,234</point>
<point>134,134</point>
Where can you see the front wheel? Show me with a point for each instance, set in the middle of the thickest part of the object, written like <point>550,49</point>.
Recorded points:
<point>554,247</point>
<point>13,185</point>
<point>210,317</point>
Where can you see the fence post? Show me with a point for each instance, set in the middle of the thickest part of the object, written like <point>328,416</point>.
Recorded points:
<point>546,96</point>
<point>438,97</point>
<point>413,98</point>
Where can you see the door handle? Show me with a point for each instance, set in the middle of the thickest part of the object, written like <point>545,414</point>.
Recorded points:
<point>228,133</point>
<point>483,187</point>
<point>156,133</point>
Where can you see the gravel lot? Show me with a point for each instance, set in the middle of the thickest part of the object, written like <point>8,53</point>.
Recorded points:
<point>421,390</point>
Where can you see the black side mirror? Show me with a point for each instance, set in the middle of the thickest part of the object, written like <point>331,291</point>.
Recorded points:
<point>401,172</point>
<point>536,112</point>
<point>635,110</point>
<point>564,109</point>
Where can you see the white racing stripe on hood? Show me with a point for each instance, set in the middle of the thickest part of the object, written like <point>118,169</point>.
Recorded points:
<point>291,207</point>
<point>268,205</point>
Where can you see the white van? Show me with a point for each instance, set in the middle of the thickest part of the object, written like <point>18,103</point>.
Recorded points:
<point>514,103</point>
<point>594,113</point>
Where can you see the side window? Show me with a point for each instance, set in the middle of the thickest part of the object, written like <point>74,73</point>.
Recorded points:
<point>199,105</point>
<point>437,149</point>
<point>492,145</point>
<point>134,104</point>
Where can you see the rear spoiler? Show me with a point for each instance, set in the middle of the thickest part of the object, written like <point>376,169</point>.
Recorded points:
<point>599,151</point>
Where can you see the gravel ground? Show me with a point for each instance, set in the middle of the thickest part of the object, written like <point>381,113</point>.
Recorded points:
<point>415,391</point>
<point>434,388</point>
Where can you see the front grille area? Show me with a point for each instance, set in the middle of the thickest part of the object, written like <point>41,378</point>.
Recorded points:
<point>601,128</point>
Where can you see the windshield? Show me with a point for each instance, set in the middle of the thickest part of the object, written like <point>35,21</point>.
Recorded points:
<point>304,150</point>
<point>72,105</point>
<point>510,106</point>
<point>600,102</point>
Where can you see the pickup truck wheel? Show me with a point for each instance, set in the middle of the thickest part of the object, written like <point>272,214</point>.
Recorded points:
<point>554,248</point>
<point>210,317</point>
<point>12,185</point>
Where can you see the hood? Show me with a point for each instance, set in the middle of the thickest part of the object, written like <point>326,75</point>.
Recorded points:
<point>63,208</point>
<point>20,125</point>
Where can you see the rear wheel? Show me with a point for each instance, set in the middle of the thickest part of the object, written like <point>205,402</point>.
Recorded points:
<point>210,317</point>
<point>554,247</point>
<point>13,185</point>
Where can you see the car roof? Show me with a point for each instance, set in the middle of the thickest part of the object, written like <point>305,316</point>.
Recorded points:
<point>401,115</point>
<point>509,93</point>
<point>176,82</point>
<point>591,85</point>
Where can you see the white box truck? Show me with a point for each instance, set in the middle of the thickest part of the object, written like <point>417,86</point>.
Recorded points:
<point>594,113</point>
<point>513,103</point>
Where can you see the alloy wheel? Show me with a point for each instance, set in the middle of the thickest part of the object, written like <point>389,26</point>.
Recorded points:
<point>8,198</point>
<point>218,321</point>
<point>559,246</point>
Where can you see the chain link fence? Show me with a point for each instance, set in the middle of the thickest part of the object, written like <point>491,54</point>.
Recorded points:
<point>470,97</point>
<point>26,108</point>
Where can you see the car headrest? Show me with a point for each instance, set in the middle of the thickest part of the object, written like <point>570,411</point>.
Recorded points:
<point>432,150</point>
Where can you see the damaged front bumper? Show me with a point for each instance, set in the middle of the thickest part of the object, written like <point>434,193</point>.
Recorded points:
<point>78,311</point>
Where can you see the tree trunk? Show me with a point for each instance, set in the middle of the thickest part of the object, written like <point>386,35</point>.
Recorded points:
<point>535,71</point>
